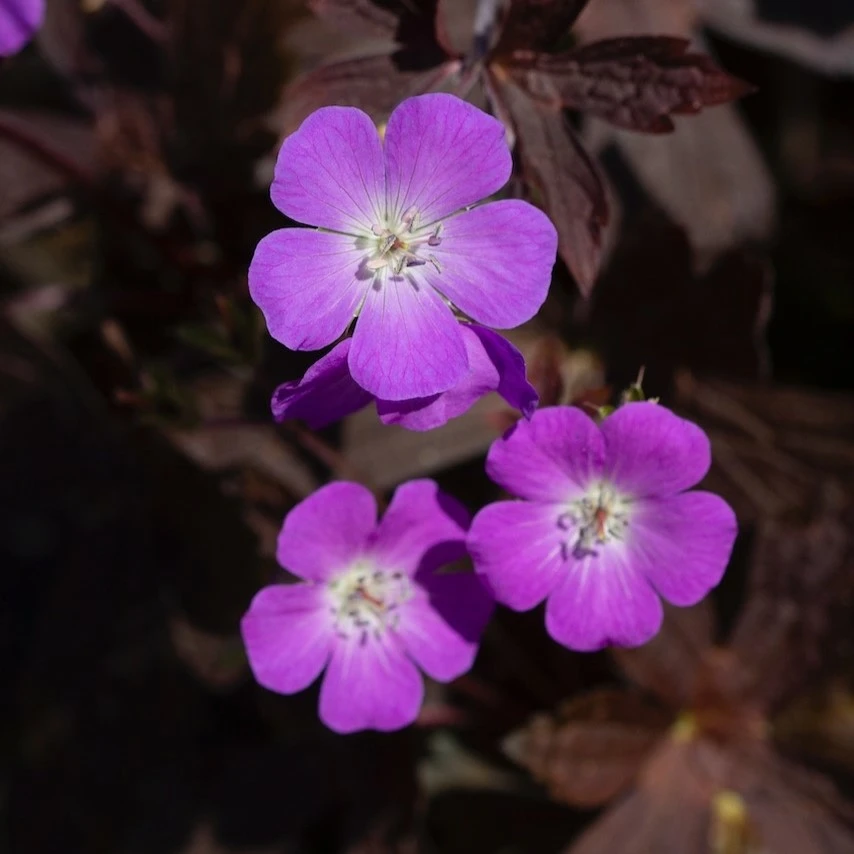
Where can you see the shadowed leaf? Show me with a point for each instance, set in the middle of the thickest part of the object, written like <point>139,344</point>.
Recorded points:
<point>557,166</point>
<point>638,83</point>
<point>537,24</point>
<point>592,749</point>
<point>361,16</point>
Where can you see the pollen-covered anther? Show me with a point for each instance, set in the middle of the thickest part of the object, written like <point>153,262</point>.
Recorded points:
<point>600,517</point>
<point>365,601</point>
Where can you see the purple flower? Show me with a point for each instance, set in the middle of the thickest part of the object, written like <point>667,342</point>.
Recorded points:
<point>604,527</point>
<point>19,19</point>
<point>398,244</point>
<point>328,391</point>
<point>372,605</point>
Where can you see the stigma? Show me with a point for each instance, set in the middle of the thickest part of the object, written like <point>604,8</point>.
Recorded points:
<point>365,601</point>
<point>399,244</point>
<point>600,517</point>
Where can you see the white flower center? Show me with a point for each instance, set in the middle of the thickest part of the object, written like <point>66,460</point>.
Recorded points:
<point>365,601</point>
<point>396,244</point>
<point>598,518</point>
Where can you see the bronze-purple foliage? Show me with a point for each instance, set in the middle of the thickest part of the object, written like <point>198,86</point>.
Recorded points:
<point>529,77</point>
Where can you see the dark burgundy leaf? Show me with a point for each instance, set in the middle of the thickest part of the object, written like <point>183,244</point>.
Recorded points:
<point>635,83</point>
<point>362,17</point>
<point>592,749</point>
<point>556,165</point>
<point>537,24</point>
<point>668,665</point>
<point>374,84</point>
<point>799,606</point>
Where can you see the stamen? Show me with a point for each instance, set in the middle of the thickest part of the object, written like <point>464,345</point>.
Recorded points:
<point>365,602</point>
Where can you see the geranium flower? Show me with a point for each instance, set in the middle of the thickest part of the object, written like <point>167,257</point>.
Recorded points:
<point>328,391</point>
<point>372,607</point>
<point>397,243</point>
<point>604,527</point>
<point>19,19</point>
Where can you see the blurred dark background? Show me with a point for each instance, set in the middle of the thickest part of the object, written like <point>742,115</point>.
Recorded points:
<point>142,482</point>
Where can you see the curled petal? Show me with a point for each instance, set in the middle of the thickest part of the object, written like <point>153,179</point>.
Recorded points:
<point>494,365</point>
<point>308,284</point>
<point>287,635</point>
<point>442,625</point>
<point>406,343</point>
<point>329,173</point>
<point>19,19</point>
<point>496,262</point>
<point>553,457</point>
<point>682,543</point>
<point>652,451</point>
<point>422,530</point>
<point>517,547</point>
<point>327,531</point>
<point>370,685</point>
<point>442,154</point>
<point>325,394</point>
<point>603,600</point>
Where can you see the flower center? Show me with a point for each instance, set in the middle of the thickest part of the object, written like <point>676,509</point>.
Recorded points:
<point>397,243</point>
<point>598,518</point>
<point>365,602</point>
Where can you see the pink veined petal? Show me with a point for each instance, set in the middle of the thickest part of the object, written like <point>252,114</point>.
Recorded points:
<point>370,685</point>
<point>308,284</point>
<point>422,529</point>
<point>518,547</point>
<point>441,626</point>
<point>19,19</point>
<point>496,262</point>
<point>288,636</point>
<point>327,531</point>
<point>330,173</point>
<point>682,543</point>
<point>553,457</point>
<point>603,600</point>
<point>442,154</point>
<point>652,451</point>
<point>494,365</point>
<point>407,342</point>
<point>325,394</point>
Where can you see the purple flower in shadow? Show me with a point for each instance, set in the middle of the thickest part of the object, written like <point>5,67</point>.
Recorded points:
<point>372,608</point>
<point>398,244</point>
<point>19,19</point>
<point>328,391</point>
<point>604,527</point>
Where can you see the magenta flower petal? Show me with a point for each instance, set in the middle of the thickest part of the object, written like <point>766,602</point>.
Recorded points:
<point>496,262</point>
<point>371,685</point>
<point>288,637</point>
<point>308,285</point>
<point>19,19</point>
<point>325,394</point>
<point>552,457</point>
<point>442,634</point>
<point>327,531</point>
<point>603,602</point>
<point>407,343</point>
<point>442,154</point>
<point>652,451</point>
<point>494,365</point>
<point>422,529</point>
<point>329,173</point>
<point>516,545</point>
<point>682,543</point>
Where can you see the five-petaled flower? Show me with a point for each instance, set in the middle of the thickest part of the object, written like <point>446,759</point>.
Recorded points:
<point>372,605</point>
<point>604,526</point>
<point>398,244</point>
<point>328,391</point>
<point>19,19</point>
